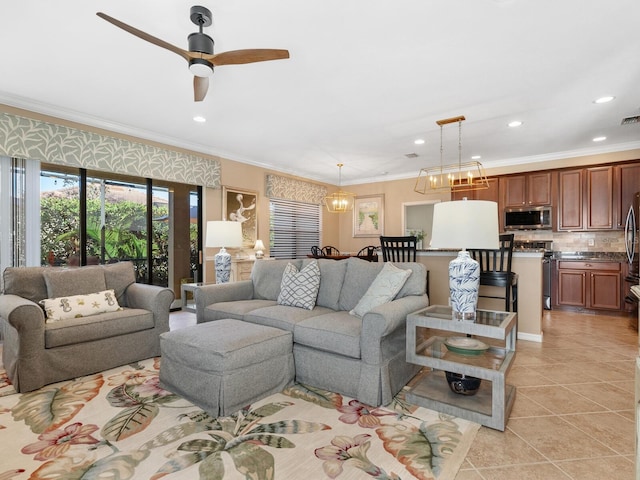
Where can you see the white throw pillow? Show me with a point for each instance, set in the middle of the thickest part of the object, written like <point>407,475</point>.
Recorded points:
<point>300,288</point>
<point>383,289</point>
<point>76,306</point>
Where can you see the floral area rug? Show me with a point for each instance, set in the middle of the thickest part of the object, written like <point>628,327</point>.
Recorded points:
<point>120,424</point>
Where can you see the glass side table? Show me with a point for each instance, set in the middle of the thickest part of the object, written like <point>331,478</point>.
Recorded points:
<point>188,306</point>
<point>427,331</point>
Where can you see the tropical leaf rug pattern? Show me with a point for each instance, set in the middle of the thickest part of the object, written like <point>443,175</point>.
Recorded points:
<point>121,425</point>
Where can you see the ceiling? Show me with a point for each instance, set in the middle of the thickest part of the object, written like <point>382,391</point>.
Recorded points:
<point>365,79</point>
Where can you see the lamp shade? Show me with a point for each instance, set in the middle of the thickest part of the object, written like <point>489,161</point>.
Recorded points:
<point>224,234</point>
<point>259,245</point>
<point>465,224</point>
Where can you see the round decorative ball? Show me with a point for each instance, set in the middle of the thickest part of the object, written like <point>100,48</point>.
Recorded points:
<point>463,384</point>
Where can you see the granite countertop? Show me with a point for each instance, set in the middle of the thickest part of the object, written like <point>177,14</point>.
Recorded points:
<point>592,256</point>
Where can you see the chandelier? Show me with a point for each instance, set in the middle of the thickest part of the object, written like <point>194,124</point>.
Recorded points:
<point>460,177</point>
<point>340,201</point>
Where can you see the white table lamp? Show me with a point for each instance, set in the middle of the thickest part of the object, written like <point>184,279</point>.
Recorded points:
<point>465,224</point>
<point>223,234</point>
<point>259,248</point>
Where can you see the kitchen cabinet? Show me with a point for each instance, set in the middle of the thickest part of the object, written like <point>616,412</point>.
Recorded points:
<point>490,194</point>
<point>570,186</point>
<point>527,190</point>
<point>599,198</point>
<point>590,285</point>
<point>627,184</point>
<point>586,199</point>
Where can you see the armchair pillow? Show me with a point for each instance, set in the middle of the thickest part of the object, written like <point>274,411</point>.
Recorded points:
<point>80,305</point>
<point>300,288</point>
<point>383,289</point>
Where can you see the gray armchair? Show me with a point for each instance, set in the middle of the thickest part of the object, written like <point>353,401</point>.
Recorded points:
<point>37,352</point>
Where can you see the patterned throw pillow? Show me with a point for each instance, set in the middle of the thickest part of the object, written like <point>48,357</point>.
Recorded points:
<point>300,288</point>
<point>76,306</point>
<point>383,289</point>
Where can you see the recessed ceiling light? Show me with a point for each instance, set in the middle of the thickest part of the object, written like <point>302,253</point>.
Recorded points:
<point>418,141</point>
<point>515,123</point>
<point>599,139</point>
<point>476,157</point>
<point>199,119</point>
<point>606,99</point>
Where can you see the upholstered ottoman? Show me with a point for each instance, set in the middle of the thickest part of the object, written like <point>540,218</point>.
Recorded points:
<point>224,365</point>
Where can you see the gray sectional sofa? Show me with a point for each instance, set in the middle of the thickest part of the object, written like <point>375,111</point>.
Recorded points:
<point>38,352</point>
<point>362,357</point>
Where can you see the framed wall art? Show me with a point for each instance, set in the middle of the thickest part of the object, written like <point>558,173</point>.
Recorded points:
<point>368,216</point>
<point>240,205</point>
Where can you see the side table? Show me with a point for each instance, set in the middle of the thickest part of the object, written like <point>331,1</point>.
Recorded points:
<point>189,287</point>
<point>427,331</point>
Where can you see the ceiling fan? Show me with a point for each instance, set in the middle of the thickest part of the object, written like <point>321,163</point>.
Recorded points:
<point>200,54</point>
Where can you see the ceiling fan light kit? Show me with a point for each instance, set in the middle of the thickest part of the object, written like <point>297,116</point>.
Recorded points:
<point>200,55</point>
<point>460,177</point>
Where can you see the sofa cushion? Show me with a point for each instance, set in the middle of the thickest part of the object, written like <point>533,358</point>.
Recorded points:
<point>104,325</point>
<point>300,288</point>
<point>331,281</point>
<point>118,276</point>
<point>76,306</point>
<point>236,309</point>
<point>266,276</point>
<point>357,278</point>
<point>64,282</point>
<point>416,284</point>
<point>383,289</point>
<point>25,282</point>
<point>336,332</point>
<point>283,317</point>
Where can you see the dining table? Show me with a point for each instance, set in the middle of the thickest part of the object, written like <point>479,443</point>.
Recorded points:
<point>342,256</point>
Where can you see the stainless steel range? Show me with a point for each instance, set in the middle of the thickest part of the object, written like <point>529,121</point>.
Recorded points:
<point>545,246</point>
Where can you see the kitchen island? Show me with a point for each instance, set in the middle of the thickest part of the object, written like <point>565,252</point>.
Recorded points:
<point>528,266</point>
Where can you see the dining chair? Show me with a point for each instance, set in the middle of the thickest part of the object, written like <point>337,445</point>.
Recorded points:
<point>398,249</point>
<point>329,250</point>
<point>316,251</point>
<point>495,271</point>
<point>368,253</point>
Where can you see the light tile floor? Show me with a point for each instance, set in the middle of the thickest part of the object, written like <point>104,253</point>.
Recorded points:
<point>573,416</point>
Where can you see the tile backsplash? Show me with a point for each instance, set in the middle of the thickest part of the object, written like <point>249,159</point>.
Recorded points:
<point>577,241</point>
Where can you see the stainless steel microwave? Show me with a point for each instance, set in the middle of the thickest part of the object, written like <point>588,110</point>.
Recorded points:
<point>527,218</point>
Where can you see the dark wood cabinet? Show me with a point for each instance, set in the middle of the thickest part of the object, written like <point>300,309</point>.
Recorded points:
<point>627,184</point>
<point>586,199</point>
<point>599,198</point>
<point>570,186</point>
<point>589,285</point>
<point>490,194</point>
<point>527,190</point>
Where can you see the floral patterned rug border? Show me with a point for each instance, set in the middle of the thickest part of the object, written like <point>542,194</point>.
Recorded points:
<point>121,424</point>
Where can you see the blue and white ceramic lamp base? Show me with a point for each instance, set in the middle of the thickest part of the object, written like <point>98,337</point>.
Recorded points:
<point>464,282</point>
<point>222,262</point>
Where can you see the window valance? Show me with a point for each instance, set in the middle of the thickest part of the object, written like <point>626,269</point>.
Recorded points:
<point>292,189</point>
<point>52,143</point>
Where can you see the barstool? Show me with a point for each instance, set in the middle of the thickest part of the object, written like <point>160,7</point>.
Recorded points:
<point>495,271</point>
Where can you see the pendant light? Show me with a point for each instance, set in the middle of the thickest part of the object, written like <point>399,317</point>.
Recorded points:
<point>340,201</point>
<point>460,177</point>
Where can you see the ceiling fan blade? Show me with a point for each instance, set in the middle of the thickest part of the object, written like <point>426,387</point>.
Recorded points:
<point>200,87</point>
<point>145,36</point>
<point>236,57</point>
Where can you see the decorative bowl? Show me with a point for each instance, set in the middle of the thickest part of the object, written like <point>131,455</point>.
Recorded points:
<point>463,384</point>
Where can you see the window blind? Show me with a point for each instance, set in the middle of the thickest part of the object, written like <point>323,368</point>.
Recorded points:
<point>294,228</point>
